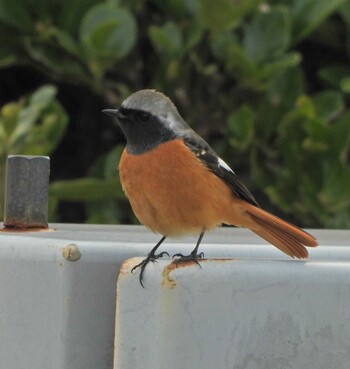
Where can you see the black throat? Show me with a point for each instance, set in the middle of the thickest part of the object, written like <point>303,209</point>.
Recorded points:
<point>143,131</point>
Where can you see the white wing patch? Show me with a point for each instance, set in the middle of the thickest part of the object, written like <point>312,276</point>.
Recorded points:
<point>224,165</point>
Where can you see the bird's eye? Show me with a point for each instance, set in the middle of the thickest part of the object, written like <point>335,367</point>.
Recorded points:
<point>144,116</point>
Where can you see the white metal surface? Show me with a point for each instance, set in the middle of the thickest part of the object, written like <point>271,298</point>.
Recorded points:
<point>57,289</point>
<point>235,314</point>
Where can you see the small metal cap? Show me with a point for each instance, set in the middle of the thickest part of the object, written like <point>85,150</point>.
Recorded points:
<point>26,191</point>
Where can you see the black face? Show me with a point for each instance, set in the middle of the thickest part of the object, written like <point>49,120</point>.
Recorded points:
<point>143,131</point>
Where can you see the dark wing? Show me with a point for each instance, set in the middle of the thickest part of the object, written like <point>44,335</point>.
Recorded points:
<point>216,165</point>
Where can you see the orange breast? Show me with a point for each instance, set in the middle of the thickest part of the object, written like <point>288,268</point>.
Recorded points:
<point>172,192</point>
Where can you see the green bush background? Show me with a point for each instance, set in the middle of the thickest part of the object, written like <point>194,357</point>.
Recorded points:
<point>267,83</point>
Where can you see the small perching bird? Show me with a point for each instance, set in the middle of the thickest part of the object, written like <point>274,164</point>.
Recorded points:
<point>178,185</point>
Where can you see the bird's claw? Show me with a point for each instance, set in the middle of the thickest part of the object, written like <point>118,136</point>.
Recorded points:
<point>161,254</point>
<point>144,262</point>
<point>191,257</point>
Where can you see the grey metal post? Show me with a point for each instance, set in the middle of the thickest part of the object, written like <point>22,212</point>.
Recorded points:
<point>26,191</point>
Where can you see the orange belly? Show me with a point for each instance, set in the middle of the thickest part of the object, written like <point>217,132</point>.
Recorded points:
<point>171,192</point>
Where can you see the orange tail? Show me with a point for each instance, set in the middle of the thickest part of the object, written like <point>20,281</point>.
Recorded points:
<point>287,237</point>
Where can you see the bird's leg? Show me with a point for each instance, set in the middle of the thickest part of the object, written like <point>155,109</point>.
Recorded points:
<point>193,256</point>
<point>150,257</point>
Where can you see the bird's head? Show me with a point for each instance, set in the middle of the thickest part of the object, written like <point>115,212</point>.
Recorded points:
<point>147,119</point>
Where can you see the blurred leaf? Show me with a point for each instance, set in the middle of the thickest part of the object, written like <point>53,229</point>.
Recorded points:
<point>40,9</point>
<point>291,135</point>
<point>336,193</point>
<point>69,17</point>
<point>108,30</point>
<point>283,90</point>
<point>44,138</point>
<point>241,127</point>
<point>179,8</point>
<point>308,14</point>
<point>85,189</point>
<point>328,104</point>
<point>345,85</point>
<point>28,116</point>
<point>277,197</point>
<point>194,34</point>
<point>314,140</point>
<point>16,14</point>
<point>279,64</point>
<point>226,48</point>
<point>267,35</point>
<point>39,125</point>
<point>344,11</point>
<point>9,115</point>
<point>339,138</point>
<point>166,39</point>
<point>225,15</point>
<point>53,59</point>
<point>304,108</point>
<point>65,40</point>
<point>221,43</point>
<point>285,87</point>
<point>335,74</point>
<point>43,96</point>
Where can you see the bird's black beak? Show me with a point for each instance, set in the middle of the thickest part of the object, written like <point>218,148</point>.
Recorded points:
<point>116,113</point>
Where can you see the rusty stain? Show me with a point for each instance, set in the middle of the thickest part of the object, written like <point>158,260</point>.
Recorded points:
<point>218,260</point>
<point>8,229</point>
<point>127,266</point>
<point>184,264</point>
<point>71,252</point>
<point>168,281</point>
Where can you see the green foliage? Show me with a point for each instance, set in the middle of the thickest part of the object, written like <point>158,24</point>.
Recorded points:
<point>97,190</point>
<point>30,126</point>
<point>309,154</point>
<point>238,68</point>
<point>267,36</point>
<point>33,125</point>
<point>167,39</point>
<point>108,31</point>
<point>308,15</point>
<point>79,41</point>
<point>241,127</point>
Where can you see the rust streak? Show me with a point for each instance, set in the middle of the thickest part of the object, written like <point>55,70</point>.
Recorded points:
<point>168,281</point>
<point>24,230</point>
<point>127,266</point>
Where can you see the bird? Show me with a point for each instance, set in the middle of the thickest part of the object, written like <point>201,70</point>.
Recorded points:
<point>178,185</point>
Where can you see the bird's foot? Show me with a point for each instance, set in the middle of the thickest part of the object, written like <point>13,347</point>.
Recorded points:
<point>193,256</point>
<point>151,257</point>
